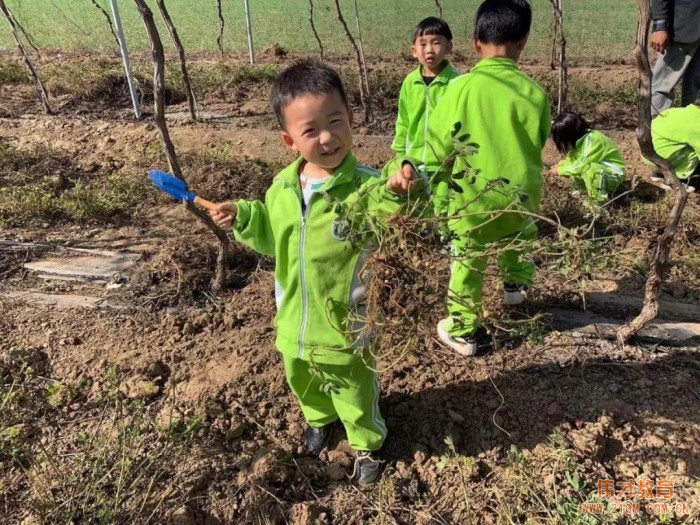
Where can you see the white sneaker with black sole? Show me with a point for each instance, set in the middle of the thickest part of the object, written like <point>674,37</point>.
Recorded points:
<point>514,294</point>
<point>466,346</point>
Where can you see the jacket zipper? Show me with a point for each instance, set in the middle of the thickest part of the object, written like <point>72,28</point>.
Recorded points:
<point>302,274</point>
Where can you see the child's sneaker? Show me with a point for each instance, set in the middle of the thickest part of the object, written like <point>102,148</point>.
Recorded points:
<point>514,294</point>
<point>367,467</point>
<point>316,439</point>
<point>466,346</point>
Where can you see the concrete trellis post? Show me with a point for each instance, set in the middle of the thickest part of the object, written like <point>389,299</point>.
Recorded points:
<point>125,57</point>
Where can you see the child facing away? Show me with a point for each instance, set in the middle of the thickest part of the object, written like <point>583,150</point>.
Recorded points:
<point>591,158</point>
<point>507,114</point>
<point>317,271</point>
<point>676,136</point>
<point>423,88</point>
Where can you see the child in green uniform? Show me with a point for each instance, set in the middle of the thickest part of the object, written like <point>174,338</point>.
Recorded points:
<point>423,88</point>
<point>591,158</point>
<point>317,271</point>
<point>676,136</point>
<point>507,114</point>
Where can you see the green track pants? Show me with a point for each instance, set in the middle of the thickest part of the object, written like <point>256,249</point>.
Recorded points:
<point>350,393</point>
<point>467,276</point>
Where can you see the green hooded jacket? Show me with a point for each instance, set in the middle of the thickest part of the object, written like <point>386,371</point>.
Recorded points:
<point>416,102</point>
<point>317,270</point>
<point>506,113</point>
<point>592,148</point>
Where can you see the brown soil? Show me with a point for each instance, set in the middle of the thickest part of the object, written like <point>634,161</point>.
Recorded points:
<point>545,405</point>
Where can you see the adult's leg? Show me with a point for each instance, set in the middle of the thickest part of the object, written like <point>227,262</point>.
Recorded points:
<point>691,79</point>
<point>668,72</point>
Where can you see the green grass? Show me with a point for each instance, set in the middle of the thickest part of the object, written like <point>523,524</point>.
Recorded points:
<point>596,29</point>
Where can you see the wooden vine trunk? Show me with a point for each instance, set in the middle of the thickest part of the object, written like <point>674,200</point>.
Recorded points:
<point>361,65</point>
<point>220,38</point>
<point>109,20</point>
<point>25,56</point>
<point>181,54</point>
<point>559,37</point>
<point>219,279</point>
<point>659,262</point>
<point>313,27</point>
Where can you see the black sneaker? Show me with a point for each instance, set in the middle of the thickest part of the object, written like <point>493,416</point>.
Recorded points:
<point>316,439</point>
<point>367,467</point>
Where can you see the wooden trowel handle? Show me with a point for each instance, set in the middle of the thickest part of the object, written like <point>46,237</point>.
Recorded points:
<point>204,203</point>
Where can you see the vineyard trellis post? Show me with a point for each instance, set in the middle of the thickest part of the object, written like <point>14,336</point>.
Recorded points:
<point>125,58</point>
<point>222,260</point>
<point>25,56</point>
<point>249,31</point>
<point>659,262</point>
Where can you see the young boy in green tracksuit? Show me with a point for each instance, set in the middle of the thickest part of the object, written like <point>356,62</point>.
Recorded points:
<point>676,136</point>
<point>423,88</point>
<point>317,271</point>
<point>507,114</point>
<point>591,158</point>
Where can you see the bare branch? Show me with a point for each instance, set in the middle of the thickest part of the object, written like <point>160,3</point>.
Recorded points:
<point>563,67</point>
<point>159,106</point>
<point>361,66</point>
<point>439,6</point>
<point>220,38</point>
<point>181,54</point>
<point>27,61</point>
<point>313,27</point>
<point>109,20</point>
<point>663,245</point>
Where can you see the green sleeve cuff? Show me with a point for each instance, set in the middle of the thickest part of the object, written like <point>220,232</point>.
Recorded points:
<point>242,215</point>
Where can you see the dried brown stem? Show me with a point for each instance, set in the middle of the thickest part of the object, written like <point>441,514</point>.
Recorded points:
<point>181,54</point>
<point>109,20</point>
<point>313,27</point>
<point>159,107</point>
<point>361,65</point>
<point>27,61</point>
<point>650,309</point>
<point>220,38</point>
<point>563,67</point>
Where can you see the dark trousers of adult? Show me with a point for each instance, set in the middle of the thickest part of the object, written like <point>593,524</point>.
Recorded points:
<point>679,64</point>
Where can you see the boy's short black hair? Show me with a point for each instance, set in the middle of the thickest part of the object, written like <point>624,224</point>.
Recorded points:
<point>502,21</point>
<point>568,127</point>
<point>307,77</point>
<point>432,26</point>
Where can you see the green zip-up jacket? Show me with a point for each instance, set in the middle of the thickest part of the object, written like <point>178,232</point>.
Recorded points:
<point>676,136</point>
<point>317,271</point>
<point>592,148</point>
<point>507,114</point>
<point>416,102</point>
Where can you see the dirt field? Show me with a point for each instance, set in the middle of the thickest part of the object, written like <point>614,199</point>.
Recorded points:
<point>165,403</point>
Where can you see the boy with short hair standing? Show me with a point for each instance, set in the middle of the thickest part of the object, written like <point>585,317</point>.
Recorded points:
<point>507,114</point>
<point>423,88</point>
<point>318,277</point>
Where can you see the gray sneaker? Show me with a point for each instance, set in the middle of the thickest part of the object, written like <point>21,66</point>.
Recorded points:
<point>367,467</point>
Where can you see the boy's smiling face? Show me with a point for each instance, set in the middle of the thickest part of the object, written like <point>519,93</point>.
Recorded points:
<point>430,51</point>
<point>318,127</point>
